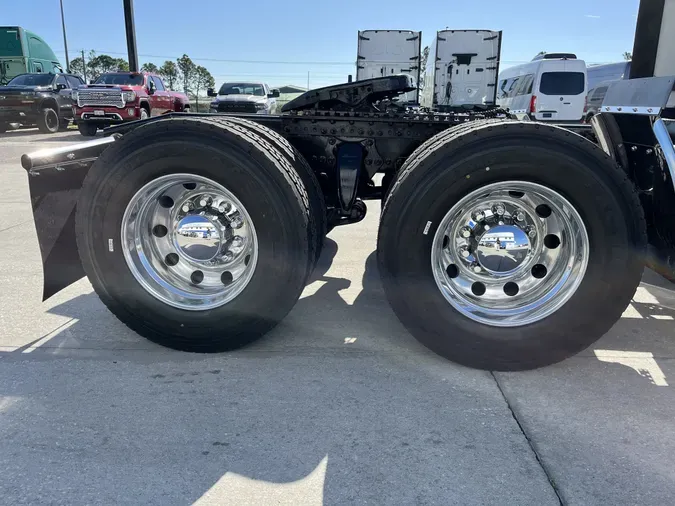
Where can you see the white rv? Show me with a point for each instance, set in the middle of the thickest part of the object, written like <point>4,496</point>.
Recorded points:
<point>552,87</point>
<point>461,69</point>
<point>389,52</point>
<point>596,74</point>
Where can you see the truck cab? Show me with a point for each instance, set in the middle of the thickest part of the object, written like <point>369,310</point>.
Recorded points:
<point>22,51</point>
<point>116,97</point>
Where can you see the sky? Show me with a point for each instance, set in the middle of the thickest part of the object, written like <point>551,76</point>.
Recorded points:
<point>281,42</point>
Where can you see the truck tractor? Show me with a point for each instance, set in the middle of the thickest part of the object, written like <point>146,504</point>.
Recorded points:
<point>574,218</point>
<point>502,244</point>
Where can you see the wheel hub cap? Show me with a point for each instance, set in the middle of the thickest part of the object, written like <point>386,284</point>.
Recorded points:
<point>198,238</point>
<point>502,249</point>
<point>189,242</point>
<point>510,254</point>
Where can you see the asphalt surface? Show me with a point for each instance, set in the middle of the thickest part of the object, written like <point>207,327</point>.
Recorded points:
<point>338,405</point>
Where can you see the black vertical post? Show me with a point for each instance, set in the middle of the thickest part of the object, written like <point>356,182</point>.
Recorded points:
<point>131,34</point>
<point>65,42</point>
<point>647,35</point>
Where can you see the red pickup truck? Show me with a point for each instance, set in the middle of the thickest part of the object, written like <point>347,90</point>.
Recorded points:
<point>116,97</point>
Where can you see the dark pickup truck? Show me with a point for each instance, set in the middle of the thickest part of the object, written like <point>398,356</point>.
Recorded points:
<point>38,99</point>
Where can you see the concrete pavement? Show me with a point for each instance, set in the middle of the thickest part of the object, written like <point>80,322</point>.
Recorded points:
<point>338,405</point>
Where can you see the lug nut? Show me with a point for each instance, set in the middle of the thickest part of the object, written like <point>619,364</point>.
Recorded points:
<point>531,231</point>
<point>477,268</point>
<point>224,207</point>
<point>486,226</point>
<point>237,222</point>
<point>205,201</point>
<point>478,216</point>
<point>187,207</point>
<point>520,216</point>
<point>498,209</point>
<point>465,253</point>
<point>237,241</point>
<point>465,232</point>
<point>501,222</point>
<point>228,256</point>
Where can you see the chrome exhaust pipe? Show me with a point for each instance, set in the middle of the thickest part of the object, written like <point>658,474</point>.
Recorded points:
<point>61,157</point>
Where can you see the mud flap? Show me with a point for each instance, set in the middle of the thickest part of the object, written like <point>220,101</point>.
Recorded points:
<point>54,195</point>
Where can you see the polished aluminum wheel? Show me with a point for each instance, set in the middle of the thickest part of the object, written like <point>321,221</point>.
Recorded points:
<point>189,242</point>
<point>510,254</point>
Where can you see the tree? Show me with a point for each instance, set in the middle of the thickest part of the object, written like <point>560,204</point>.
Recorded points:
<point>169,72</point>
<point>149,67</point>
<point>77,66</point>
<point>187,69</point>
<point>425,57</point>
<point>201,80</point>
<point>627,56</point>
<point>103,63</point>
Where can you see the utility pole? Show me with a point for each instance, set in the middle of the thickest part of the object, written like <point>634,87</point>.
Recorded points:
<point>84,67</point>
<point>131,34</point>
<point>65,43</point>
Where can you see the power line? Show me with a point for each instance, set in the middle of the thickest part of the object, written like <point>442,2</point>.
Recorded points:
<point>272,62</point>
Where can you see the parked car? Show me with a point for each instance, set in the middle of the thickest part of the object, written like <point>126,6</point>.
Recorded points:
<point>251,97</point>
<point>117,97</point>
<point>38,99</point>
<point>552,87</point>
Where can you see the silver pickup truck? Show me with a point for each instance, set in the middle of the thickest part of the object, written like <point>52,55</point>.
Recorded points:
<point>244,97</point>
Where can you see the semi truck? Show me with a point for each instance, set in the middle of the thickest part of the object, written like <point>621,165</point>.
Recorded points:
<point>390,52</point>
<point>23,52</point>
<point>585,211</point>
<point>461,70</point>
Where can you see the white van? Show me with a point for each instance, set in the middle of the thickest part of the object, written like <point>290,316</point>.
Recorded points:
<point>461,70</point>
<point>389,52</point>
<point>552,87</point>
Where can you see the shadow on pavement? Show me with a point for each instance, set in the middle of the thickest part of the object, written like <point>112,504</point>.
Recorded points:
<point>304,416</point>
<point>337,405</point>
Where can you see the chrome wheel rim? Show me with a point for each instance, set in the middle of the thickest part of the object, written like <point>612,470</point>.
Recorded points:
<point>189,242</point>
<point>510,253</point>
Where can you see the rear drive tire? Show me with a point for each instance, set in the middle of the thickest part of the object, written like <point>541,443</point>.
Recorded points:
<point>48,121</point>
<point>264,191</point>
<point>317,228</point>
<point>576,282</point>
<point>87,129</point>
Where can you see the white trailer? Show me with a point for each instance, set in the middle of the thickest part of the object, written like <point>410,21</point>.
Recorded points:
<point>462,69</point>
<point>387,52</point>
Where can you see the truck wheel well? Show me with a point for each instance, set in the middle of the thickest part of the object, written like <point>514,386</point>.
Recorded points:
<point>146,106</point>
<point>51,103</point>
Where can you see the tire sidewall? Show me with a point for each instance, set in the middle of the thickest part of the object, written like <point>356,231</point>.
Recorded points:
<point>278,278</point>
<point>444,183</point>
<point>47,113</point>
<point>144,113</point>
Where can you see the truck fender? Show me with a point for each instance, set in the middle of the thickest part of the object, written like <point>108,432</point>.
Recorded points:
<point>49,102</point>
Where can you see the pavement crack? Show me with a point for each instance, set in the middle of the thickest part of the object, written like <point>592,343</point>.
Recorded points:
<point>540,461</point>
